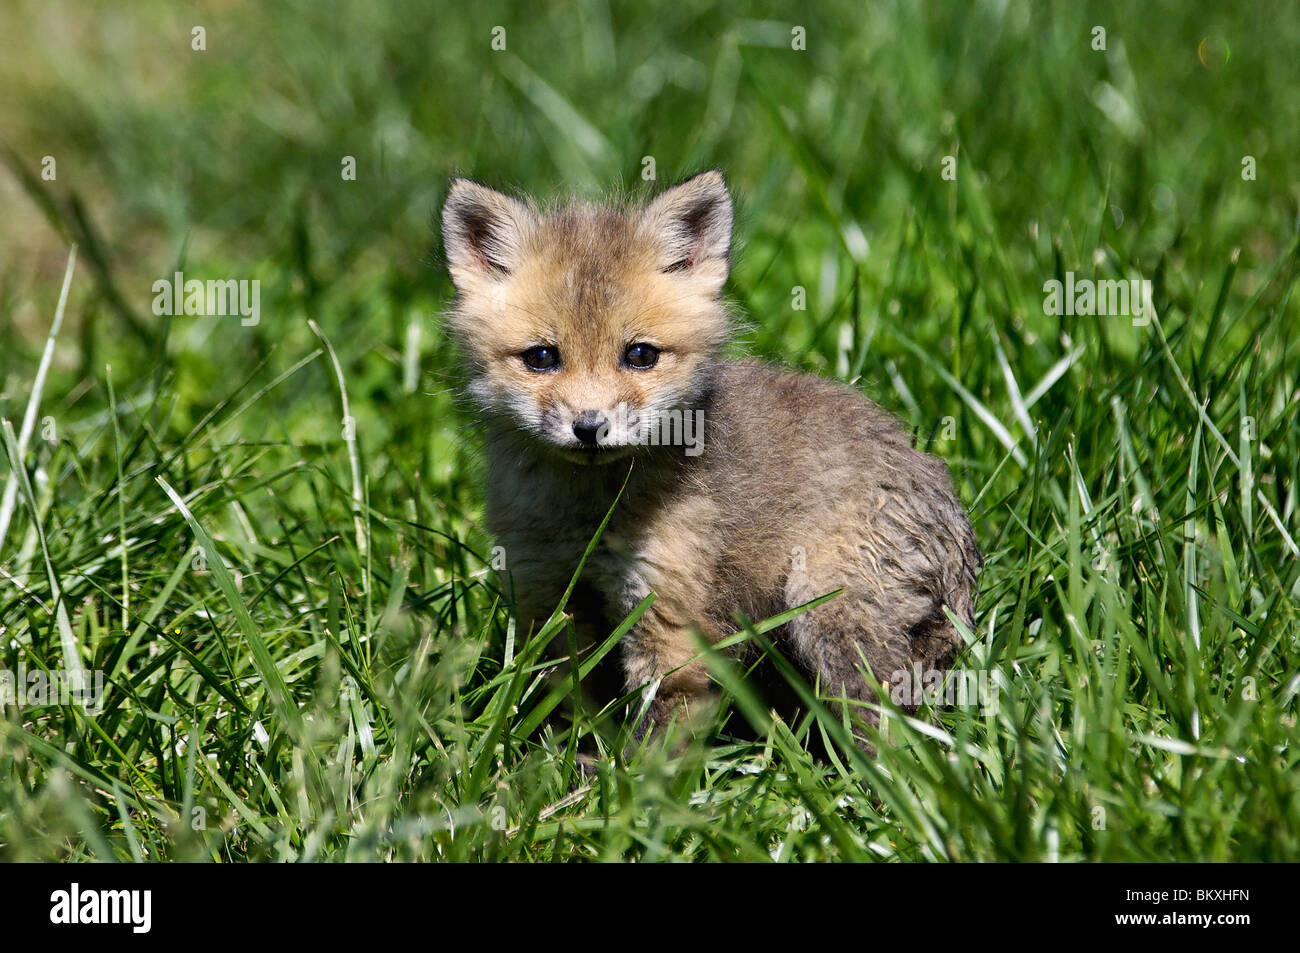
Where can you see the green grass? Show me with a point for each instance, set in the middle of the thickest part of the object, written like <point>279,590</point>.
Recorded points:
<point>311,661</point>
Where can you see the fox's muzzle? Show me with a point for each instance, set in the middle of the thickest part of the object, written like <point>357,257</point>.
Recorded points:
<point>590,427</point>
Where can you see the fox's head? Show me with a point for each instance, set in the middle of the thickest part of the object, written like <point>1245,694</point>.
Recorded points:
<point>584,325</point>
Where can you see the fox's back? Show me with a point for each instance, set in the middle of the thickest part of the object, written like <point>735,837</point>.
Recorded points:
<point>797,462</point>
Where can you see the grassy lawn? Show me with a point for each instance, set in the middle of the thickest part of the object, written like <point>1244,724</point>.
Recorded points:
<point>268,536</point>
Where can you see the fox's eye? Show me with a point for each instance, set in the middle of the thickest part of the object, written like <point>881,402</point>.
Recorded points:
<point>541,358</point>
<point>641,356</point>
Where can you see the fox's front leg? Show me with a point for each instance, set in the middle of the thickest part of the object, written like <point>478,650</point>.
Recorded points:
<point>660,655</point>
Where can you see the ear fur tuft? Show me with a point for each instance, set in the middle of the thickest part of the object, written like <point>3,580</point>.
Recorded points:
<point>691,222</point>
<point>483,230</point>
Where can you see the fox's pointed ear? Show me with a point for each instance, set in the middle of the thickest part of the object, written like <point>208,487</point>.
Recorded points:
<point>483,230</point>
<point>691,224</point>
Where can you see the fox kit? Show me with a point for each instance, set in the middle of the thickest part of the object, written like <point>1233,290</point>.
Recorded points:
<point>593,340</point>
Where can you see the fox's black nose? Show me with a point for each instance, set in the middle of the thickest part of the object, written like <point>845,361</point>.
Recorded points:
<point>587,426</point>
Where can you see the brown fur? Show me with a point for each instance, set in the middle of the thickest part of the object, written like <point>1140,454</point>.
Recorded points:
<point>803,486</point>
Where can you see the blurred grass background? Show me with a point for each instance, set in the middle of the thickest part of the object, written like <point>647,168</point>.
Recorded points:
<point>1133,486</point>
